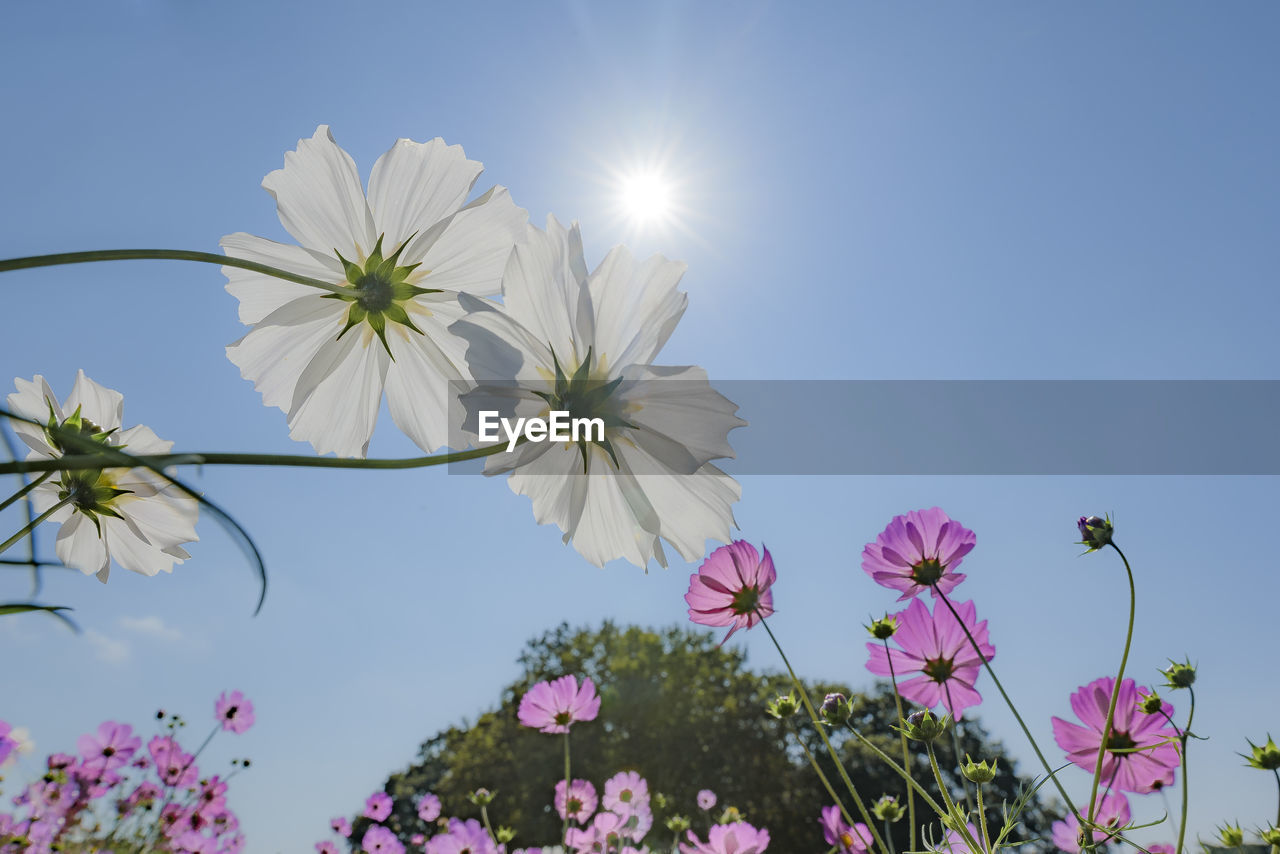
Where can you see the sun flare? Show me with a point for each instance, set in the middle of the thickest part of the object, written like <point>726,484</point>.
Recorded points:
<point>646,197</point>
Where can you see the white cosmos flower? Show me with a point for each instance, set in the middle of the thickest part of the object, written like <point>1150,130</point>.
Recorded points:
<point>564,339</point>
<point>409,247</point>
<point>132,515</point>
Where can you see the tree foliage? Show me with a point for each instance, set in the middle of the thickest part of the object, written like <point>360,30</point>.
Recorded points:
<point>687,715</point>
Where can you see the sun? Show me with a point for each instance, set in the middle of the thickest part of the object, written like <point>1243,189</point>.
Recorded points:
<point>646,197</point>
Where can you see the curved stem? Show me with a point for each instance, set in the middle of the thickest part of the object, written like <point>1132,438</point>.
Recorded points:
<point>17,496</point>
<point>952,810</point>
<point>893,766</point>
<point>813,716</point>
<point>1053,775</point>
<point>32,261</point>
<point>906,753</point>
<point>484,817</point>
<point>33,524</point>
<point>1115,689</point>
<point>1183,735</point>
<point>826,784</point>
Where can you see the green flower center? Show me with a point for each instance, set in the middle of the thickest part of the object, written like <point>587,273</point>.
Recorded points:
<point>382,289</point>
<point>939,669</point>
<point>745,601</point>
<point>563,718</point>
<point>1120,741</point>
<point>927,572</point>
<point>584,396</point>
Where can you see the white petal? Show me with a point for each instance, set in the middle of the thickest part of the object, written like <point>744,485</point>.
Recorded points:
<point>260,294</point>
<point>103,406</point>
<point>420,396</point>
<point>415,185</point>
<point>131,551</point>
<point>274,354</point>
<point>498,347</point>
<point>32,400</point>
<point>693,507</point>
<point>166,518</point>
<point>471,252</point>
<point>78,546</point>
<point>677,405</point>
<point>319,197</point>
<point>543,291</point>
<point>335,404</point>
<point>637,306</point>
<point>141,440</point>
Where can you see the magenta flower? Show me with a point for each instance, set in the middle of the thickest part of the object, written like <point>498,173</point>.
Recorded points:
<point>731,588</point>
<point>603,835</point>
<point>235,712</point>
<point>735,838</point>
<point>111,748</point>
<point>706,799</point>
<point>326,848</point>
<point>1143,770</point>
<point>625,791</point>
<point>340,826</point>
<point>935,646</point>
<point>379,840</point>
<point>1112,812</point>
<point>552,706</point>
<point>1161,848</point>
<point>580,803</point>
<point>849,839</point>
<point>7,743</point>
<point>428,807</point>
<point>463,837</point>
<point>174,766</point>
<point>918,551</point>
<point>377,806</point>
<point>953,842</point>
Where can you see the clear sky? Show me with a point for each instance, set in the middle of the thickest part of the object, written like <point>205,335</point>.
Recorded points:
<point>867,191</point>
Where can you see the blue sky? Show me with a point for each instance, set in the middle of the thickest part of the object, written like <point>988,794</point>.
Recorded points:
<point>868,191</point>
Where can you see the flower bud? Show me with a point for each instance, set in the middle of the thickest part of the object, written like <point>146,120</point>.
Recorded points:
<point>883,628</point>
<point>1179,675</point>
<point>923,726</point>
<point>1266,757</point>
<point>1231,835</point>
<point>677,824</point>
<point>888,809</point>
<point>1271,835</point>
<point>504,835</point>
<point>481,797</point>
<point>1095,532</point>
<point>978,772</point>
<point>835,710</point>
<point>729,816</point>
<point>1150,704</point>
<point>783,707</point>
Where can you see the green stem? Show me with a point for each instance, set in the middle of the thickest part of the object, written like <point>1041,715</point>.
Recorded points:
<point>888,835</point>
<point>1183,735</point>
<point>1115,690</point>
<point>982,820</point>
<point>169,255</point>
<point>906,752</point>
<point>33,524</point>
<point>25,489</point>
<point>813,716</point>
<point>1053,775</point>
<point>901,772</point>
<point>821,776</point>
<point>952,810</point>
<point>564,828</point>
<point>484,816</point>
<point>1277,773</point>
<point>955,744</point>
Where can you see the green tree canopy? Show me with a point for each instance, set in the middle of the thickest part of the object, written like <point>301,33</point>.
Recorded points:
<point>687,715</point>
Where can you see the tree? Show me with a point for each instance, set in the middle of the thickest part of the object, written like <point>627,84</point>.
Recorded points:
<point>687,715</point>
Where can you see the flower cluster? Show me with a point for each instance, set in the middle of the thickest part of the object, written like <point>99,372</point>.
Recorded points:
<point>114,790</point>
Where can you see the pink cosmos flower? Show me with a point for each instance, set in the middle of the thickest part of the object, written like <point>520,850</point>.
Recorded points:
<point>174,766</point>
<point>731,588</point>
<point>379,840</point>
<point>111,748</point>
<point>580,803</point>
<point>603,835</point>
<point>340,826</point>
<point>1161,848</point>
<point>855,839</point>
<point>918,551</point>
<point>625,791</point>
<point>735,838</point>
<point>428,807</point>
<point>463,837</point>
<point>706,799</point>
<point>235,712</point>
<point>935,646</point>
<point>1142,770</point>
<point>1113,812</point>
<point>953,842</point>
<point>326,848</point>
<point>377,806</point>
<point>552,706</point>
<point>7,743</point>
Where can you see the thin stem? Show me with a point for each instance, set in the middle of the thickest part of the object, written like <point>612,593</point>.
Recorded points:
<point>906,753</point>
<point>813,716</point>
<point>955,744</point>
<point>952,810</point>
<point>25,489</point>
<point>564,828</point>
<point>1277,773</point>
<point>821,776</point>
<point>888,836</point>
<point>1008,702</point>
<point>33,524</point>
<point>484,816</point>
<point>982,820</point>
<point>901,772</point>
<point>169,255</point>
<point>1183,735</point>
<point>1115,689</point>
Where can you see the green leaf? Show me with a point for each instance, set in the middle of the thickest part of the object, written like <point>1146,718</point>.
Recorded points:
<point>27,607</point>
